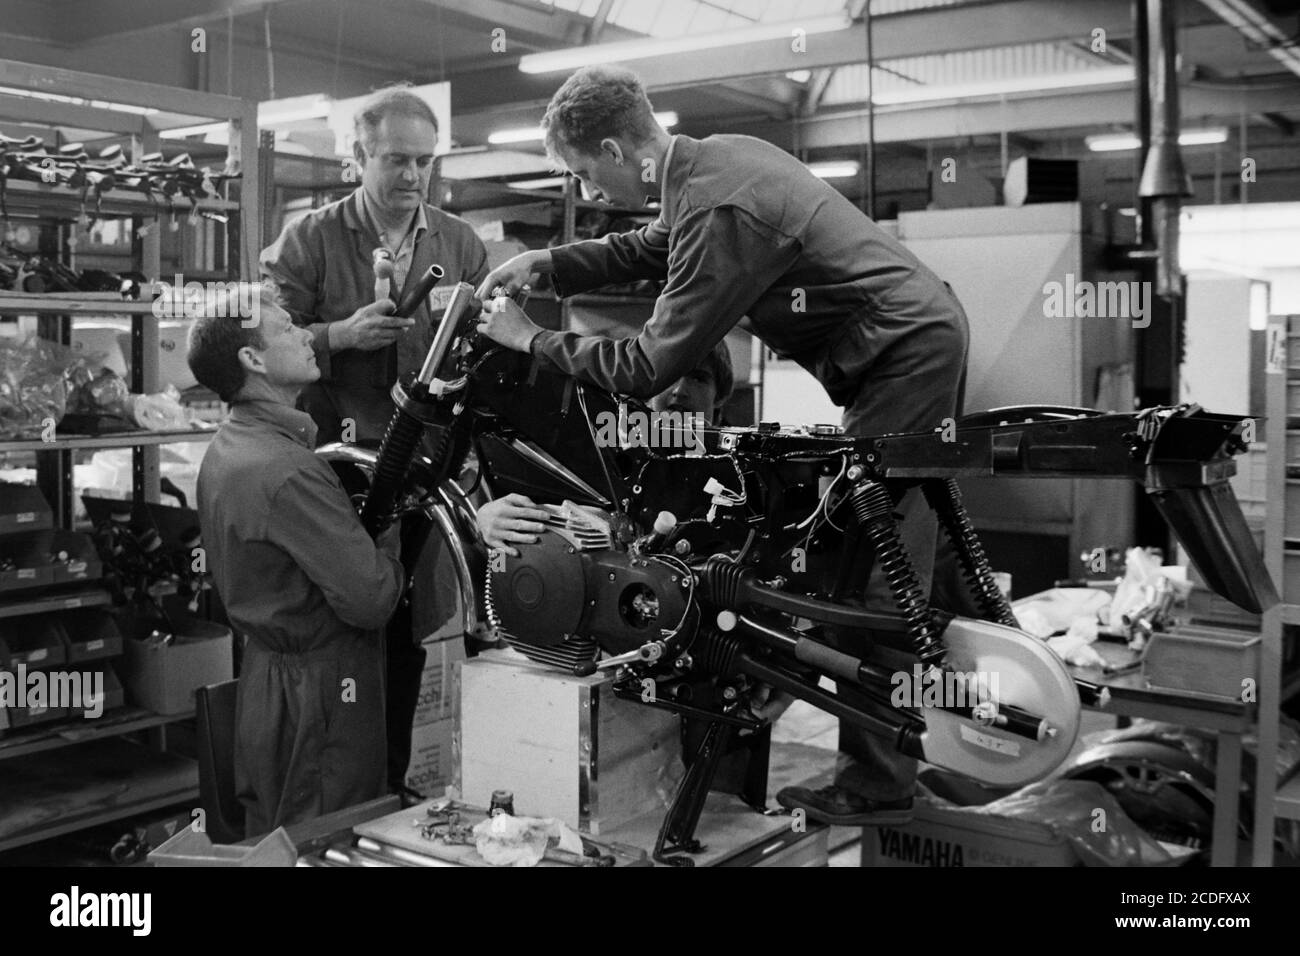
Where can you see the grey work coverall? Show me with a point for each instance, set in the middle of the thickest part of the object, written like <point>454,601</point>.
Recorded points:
<point>746,230</point>
<point>304,583</point>
<point>322,264</point>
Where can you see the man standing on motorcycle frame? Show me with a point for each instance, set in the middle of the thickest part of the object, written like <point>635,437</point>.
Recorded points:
<point>746,231</point>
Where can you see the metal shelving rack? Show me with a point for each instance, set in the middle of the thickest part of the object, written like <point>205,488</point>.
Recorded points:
<point>56,313</point>
<point>41,202</point>
<point>1282,557</point>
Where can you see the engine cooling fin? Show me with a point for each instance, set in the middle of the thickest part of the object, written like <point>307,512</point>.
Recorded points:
<point>569,654</point>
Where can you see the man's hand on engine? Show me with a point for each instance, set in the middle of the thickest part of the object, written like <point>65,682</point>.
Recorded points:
<point>505,323</point>
<point>514,519</point>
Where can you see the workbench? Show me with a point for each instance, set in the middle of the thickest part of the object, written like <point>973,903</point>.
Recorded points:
<point>1230,720</point>
<point>733,835</point>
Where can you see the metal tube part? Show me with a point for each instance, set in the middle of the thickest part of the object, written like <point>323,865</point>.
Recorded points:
<point>1164,178</point>
<point>462,300</point>
<point>420,291</point>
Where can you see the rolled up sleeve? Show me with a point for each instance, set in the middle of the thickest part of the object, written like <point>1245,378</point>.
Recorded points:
<point>722,259</point>
<point>314,523</point>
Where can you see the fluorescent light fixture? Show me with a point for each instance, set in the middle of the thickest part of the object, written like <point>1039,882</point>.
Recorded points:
<point>835,170</point>
<point>525,134</point>
<point>799,76</point>
<point>1102,76</point>
<point>550,182</point>
<point>576,57</point>
<point>529,134</point>
<point>78,101</point>
<point>1116,142</point>
<point>1203,137</point>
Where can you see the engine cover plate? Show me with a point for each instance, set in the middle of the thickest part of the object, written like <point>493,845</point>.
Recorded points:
<point>1028,676</point>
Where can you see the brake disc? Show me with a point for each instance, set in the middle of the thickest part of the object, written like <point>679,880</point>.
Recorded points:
<point>1022,671</point>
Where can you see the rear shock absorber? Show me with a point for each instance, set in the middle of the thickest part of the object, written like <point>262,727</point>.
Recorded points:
<point>874,508</point>
<point>945,498</point>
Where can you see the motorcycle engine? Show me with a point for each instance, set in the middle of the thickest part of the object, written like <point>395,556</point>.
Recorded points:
<point>574,593</point>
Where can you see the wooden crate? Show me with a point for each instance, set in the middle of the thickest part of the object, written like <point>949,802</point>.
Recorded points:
<point>565,746</point>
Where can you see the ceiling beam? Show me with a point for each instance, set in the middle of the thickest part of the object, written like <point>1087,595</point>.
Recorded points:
<point>533,26</point>
<point>530,24</point>
<point>947,29</point>
<point>973,26</point>
<point>1258,28</point>
<point>29,20</point>
<point>89,21</point>
<point>26,76</point>
<point>22,109</point>
<point>1062,110</point>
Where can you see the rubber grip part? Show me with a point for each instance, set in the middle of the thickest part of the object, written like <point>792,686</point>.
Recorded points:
<point>827,659</point>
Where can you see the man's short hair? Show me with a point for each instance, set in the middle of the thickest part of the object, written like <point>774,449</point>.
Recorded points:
<point>217,336</point>
<point>395,100</point>
<point>595,103</point>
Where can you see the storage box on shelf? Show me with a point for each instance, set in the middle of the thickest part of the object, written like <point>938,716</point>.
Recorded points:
<point>162,673</point>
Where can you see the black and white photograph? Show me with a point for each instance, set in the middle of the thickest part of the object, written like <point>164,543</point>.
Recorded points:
<point>456,434</point>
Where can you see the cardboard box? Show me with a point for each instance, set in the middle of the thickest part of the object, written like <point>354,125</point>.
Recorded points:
<point>23,508</point>
<point>433,758</point>
<point>437,700</point>
<point>90,634</point>
<point>163,678</point>
<point>564,745</point>
<point>951,837</point>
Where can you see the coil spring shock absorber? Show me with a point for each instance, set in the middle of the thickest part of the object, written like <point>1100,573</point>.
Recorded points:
<point>396,452</point>
<point>875,512</point>
<point>945,498</point>
<point>415,406</point>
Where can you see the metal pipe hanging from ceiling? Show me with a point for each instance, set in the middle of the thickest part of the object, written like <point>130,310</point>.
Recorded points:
<point>1164,178</point>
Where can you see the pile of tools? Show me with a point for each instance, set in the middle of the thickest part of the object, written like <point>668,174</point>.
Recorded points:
<point>23,272</point>
<point>71,166</point>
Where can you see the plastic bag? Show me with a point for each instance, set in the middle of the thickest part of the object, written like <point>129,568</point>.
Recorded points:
<point>34,375</point>
<point>104,394</point>
<point>1086,814</point>
<point>1058,609</point>
<point>160,411</point>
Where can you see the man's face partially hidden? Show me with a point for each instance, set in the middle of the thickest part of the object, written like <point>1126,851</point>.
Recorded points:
<point>695,392</point>
<point>286,357</point>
